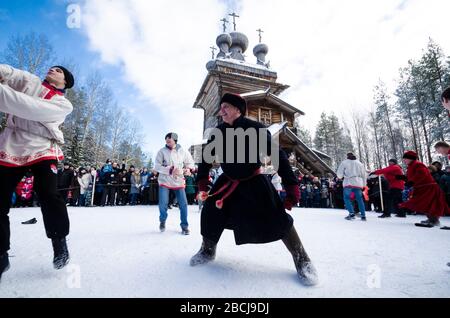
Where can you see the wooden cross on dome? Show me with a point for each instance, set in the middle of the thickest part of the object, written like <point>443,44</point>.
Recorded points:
<point>234,15</point>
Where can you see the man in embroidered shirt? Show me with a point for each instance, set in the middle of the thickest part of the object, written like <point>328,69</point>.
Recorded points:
<point>35,110</point>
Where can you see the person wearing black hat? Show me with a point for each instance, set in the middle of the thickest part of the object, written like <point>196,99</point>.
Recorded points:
<point>35,111</point>
<point>396,188</point>
<point>427,196</point>
<point>243,199</point>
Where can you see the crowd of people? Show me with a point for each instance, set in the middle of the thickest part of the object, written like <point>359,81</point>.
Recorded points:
<point>119,185</point>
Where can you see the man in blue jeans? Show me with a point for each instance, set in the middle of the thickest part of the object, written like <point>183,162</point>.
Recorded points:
<point>172,164</point>
<point>355,179</point>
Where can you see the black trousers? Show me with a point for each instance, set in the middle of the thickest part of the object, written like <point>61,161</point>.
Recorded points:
<point>53,207</point>
<point>395,198</point>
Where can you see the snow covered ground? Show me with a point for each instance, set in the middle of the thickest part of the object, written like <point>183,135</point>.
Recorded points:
<point>119,252</point>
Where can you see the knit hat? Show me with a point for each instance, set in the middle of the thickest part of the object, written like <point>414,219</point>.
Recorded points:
<point>351,156</point>
<point>235,100</point>
<point>410,155</point>
<point>68,77</point>
<point>394,161</point>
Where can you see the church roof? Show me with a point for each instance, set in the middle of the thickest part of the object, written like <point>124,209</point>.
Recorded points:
<point>273,99</point>
<point>309,156</point>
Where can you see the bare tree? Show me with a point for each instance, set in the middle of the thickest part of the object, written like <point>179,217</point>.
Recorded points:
<point>31,52</point>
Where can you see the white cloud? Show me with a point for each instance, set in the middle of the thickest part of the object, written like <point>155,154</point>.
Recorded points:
<point>332,53</point>
<point>163,47</point>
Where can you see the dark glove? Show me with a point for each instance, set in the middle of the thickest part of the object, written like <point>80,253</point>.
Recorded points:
<point>409,184</point>
<point>203,185</point>
<point>202,189</point>
<point>292,196</point>
<point>401,177</point>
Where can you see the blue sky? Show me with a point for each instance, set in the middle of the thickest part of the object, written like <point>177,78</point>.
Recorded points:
<point>153,52</point>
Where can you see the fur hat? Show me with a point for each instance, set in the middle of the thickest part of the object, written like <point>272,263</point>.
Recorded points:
<point>235,100</point>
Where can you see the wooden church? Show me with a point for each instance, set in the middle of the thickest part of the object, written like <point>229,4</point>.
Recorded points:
<point>229,72</point>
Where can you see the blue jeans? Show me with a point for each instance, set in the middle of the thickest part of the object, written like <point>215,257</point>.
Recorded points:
<point>359,200</point>
<point>82,200</point>
<point>164,202</point>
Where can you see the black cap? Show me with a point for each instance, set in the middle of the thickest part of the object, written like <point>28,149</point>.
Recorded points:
<point>68,77</point>
<point>235,100</point>
<point>394,161</point>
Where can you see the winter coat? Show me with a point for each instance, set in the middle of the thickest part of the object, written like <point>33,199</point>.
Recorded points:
<point>84,182</point>
<point>35,112</point>
<point>111,175</point>
<point>426,196</point>
<point>445,183</point>
<point>169,159</point>
<point>354,174</point>
<point>254,210</point>
<point>145,179</point>
<point>390,174</point>
<point>65,177</point>
<point>24,189</point>
<point>190,185</point>
<point>135,183</point>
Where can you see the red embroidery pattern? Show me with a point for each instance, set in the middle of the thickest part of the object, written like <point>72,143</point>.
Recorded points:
<point>21,161</point>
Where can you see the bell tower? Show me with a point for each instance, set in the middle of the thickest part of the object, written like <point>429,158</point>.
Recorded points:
<point>229,72</point>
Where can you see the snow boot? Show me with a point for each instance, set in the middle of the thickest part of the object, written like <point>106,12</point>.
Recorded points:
<point>4,264</point>
<point>32,221</point>
<point>430,222</point>
<point>350,217</point>
<point>384,215</point>
<point>162,226</point>
<point>364,219</point>
<point>305,269</point>
<point>60,252</point>
<point>207,253</point>
<point>185,231</point>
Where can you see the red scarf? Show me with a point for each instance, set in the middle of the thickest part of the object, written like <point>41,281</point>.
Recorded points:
<point>50,91</point>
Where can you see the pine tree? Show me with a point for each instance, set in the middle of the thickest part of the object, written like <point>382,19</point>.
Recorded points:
<point>304,135</point>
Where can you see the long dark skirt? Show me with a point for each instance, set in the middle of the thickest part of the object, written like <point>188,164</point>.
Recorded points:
<point>254,212</point>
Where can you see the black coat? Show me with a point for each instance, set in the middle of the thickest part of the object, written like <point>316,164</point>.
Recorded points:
<point>254,210</point>
<point>65,178</point>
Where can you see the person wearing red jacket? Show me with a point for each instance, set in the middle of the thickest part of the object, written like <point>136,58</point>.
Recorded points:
<point>396,187</point>
<point>427,196</point>
<point>242,198</point>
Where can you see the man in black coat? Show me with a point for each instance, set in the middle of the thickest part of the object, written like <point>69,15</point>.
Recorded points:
<point>243,199</point>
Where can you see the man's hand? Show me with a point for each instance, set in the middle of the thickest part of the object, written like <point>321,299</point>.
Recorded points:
<point>292,196</point>
<point>177,172</point>
<point>202,196</point>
